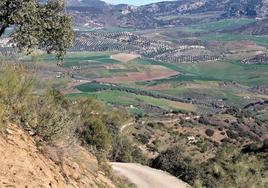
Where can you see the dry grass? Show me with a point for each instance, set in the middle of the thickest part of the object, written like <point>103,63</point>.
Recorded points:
<point>124,57</point>
<point>156,72</point>
<point>183,106</point>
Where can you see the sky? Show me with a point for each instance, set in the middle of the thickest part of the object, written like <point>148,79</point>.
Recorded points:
<point>132,2</point>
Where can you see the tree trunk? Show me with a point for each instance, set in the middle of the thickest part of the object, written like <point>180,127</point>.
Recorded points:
<point>2,30</point>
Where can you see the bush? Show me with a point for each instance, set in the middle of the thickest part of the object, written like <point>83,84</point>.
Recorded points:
<point>175,163</point>
<point>142,138</point>
<point>209,132</point>
<point>230,168</point>
<point>15,91</point>
<point>253,147</point>
<point>203,120</point>
<point>231,134</point>
<point>47,115</point>
<point>112,119</point>
<point>95,134</point>
<point>227,121</point>
<point>123,151</point>
<point>226,140</point>
<point>265,144</point>
<point>99,124</point>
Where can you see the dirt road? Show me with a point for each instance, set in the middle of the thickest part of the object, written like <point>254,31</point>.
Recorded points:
<point>146,177</point>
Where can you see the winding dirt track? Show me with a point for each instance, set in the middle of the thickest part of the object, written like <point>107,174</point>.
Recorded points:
<point>146,177</point>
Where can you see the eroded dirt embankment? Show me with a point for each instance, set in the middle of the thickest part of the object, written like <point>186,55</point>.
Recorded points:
<point>22,164</point>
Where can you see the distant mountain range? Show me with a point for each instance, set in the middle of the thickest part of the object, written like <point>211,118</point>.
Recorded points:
<point>164,14</point>
<point>86,3</point>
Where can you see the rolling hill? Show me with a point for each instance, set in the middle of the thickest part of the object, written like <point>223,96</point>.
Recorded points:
<point>164,14</point>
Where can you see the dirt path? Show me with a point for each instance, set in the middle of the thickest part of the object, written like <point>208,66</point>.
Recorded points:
<point>146,177</point>
<point>125,126</point>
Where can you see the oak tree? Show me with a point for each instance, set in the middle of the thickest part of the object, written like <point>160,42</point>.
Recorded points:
<point>37,25</point>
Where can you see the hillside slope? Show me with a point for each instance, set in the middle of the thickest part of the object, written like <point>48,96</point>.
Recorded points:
<point>259,27</point>
<point>163,14</point>
<point>22,164</point>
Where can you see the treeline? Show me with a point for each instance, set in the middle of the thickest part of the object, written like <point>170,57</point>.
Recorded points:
<point>96,86</point>
<point>260,59</point>
<point>186,58</point>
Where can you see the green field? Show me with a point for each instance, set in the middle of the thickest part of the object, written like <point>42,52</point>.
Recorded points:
<point>95,87</point>
<point>201,74</point>
<point>77,58</point>
<point>91,64</point>
<point>141,95</point>
<point>118,29</point>
<point>261,40</point>
<point>128,99</point>
<point>220,25</point>
<point>216,71</point>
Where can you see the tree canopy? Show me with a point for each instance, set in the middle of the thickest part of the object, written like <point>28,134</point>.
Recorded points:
<point>37,25</point>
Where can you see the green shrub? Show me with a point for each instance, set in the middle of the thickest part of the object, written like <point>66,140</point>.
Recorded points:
<point>203,120</point>
<point>99,124</point>
<point>253,147</point>
<point>124,151</point>
<point>144,139</point>
<point>230,168</point>
<point>231,134</point>
<point>95,134</point>
<point>92,109</point>
<point>46,115</point>
<point>265,144</point>
<point>50,116</point>
<point>174,162</point>
<point>209,132</point>
<point>15,90</point>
